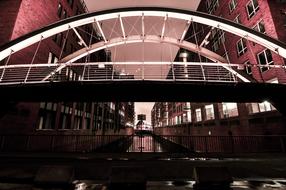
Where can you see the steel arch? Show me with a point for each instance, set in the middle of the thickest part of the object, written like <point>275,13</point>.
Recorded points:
<point>203,18</point>
<point>138,38</point>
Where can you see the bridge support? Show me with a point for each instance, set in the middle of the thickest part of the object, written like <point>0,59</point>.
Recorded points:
<point>144,91</point>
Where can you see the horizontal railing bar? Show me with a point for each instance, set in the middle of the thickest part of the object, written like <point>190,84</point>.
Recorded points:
<point>139,63</point>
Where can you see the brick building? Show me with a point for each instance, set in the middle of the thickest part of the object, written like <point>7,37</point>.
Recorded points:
<point>20,17</point>
<point>265,16</point>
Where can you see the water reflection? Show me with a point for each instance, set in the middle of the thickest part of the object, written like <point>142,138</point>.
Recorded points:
<point>145,143</point>
<point>156,185</point>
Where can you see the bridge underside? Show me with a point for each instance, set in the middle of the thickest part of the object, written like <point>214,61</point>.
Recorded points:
<point>144,91</point>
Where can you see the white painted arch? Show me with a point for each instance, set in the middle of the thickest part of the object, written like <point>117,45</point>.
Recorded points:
<point>138,39</point>
<point>73,22</point>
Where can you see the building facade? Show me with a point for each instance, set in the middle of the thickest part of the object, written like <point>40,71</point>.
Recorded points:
<point>260,15</point>
<point>20,17</point>
<point>223,119</point>
<point>227,118</point>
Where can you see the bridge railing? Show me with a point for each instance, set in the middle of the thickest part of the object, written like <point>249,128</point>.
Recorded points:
<point>120,71</point>
<point>142,143</point>
<point>230,144</point>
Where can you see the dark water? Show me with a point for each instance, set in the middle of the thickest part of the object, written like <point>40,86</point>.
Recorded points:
<point>278,184</point>
<point>145,143</point>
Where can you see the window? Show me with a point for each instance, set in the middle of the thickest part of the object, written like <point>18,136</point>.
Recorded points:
<point>260,107</point>
<point>60,9</point>
<point>212,6</point>
<point>260,27</point>
<point>229,110</point>
<point>241,47</point>
<point>65,116</point>
<point>209,112</point>
<point>232,5</point>
<point>237,19</point>
<point>58,38</point>
<point>64,14</point>
<point>265,59</point>
<point>87,121</point>
<point>52,58</point>
<point>248,68</point>
<point>252,8</point>
<point>198,114</point>
<point>47,115</point>
<point>217,36</point>
<point>264,106</point>
<point>70,3</point>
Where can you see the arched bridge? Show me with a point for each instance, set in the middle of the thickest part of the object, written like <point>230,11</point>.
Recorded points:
<point>70,78</point>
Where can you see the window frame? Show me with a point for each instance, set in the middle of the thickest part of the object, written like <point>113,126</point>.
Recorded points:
<point>266,59</point>
<point>60,10</point>
<point>198,116</point>
<point>255,9</point>
<point>243,45</point>
<point>247,67</point>
<point>237,19</point>
<point>257,25</point>
<point>232,5</point>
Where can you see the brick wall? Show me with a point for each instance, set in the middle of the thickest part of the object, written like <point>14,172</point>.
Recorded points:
<point>273,21</point>
<point>8,15</point>
<point>270,123</point>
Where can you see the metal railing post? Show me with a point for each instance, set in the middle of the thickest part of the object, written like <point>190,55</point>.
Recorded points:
<point>112,74</point>
<point>206,145</point>
<point>143,73</point>
<point>33,59</point>
<point>173,72</point>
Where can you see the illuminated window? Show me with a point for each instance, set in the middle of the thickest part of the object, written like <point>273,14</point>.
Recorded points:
<point>209,112</point>
<point>252,8</point>
<point>265,59</point>
<point>260,107</point>
<point>241,47</point>
<point>264,106</point>
<point>232,5</point>
<point>198,114</point>
<point>229,110</point>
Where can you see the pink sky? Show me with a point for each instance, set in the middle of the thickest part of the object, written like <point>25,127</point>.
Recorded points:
<point>144,108</point>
